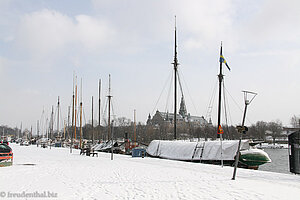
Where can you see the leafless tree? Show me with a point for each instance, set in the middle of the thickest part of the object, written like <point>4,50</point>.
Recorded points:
<point>275,128</point>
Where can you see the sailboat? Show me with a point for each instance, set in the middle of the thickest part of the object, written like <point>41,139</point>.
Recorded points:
<point>212,152</point>
<point>110,145</point>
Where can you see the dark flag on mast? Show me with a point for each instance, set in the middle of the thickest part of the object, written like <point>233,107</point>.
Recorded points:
<point>222,60</point>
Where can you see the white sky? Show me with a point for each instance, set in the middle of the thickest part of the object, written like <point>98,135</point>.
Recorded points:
<point>43,42</point>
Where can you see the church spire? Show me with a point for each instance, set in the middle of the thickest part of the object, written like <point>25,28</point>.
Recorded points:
<point>182,110</point>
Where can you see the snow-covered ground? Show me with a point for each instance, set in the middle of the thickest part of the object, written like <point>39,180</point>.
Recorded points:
<point>72,176</point>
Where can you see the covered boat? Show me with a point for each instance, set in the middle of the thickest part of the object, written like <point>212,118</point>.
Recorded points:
<point>208,152</point>
<point>106,147</point>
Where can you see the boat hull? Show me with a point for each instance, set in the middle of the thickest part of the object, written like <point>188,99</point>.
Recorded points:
<point>6,155</point>
<point>6,163</point>
<point>254,157</point>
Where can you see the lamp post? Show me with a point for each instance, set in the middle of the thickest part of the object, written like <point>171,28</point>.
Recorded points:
<point>242,129</point>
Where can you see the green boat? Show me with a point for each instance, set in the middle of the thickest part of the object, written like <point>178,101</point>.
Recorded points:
<point>252,158</point>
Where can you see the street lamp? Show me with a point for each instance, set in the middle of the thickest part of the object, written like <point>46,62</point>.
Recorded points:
<point>248,98</point>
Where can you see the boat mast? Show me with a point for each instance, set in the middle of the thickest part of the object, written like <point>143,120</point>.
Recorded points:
<point>75,109</point>
<point>30,132</point>
<point>46,127</point>
<point>64,129</point>
<point>38,129</point>
<point>19,133</point>
<point>219,134</point>
<point>81,114</point>
<point>99,107</point>
<point>220,93</point>
<point>92,120</point>
<point>51,124</point>
<point>58,118</point>
<point>109,104</point>
<point>68,122</point>
<point>73,99</point>
<point>21,129</point>
<point>134,128</point>
<point>175,63</point>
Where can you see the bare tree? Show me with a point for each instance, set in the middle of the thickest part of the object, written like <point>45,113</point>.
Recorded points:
<point>261,128</point>
<point>275,128</point>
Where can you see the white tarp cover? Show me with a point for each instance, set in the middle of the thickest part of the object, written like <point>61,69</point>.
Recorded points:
<point>102,146</point>
<point>184,150</point>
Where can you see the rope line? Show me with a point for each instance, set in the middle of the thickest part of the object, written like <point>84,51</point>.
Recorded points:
<point>161,94</point>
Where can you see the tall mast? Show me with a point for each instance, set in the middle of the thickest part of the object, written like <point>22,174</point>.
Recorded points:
<point>175,63</point>
<point>109,104</point>
<point>73,113</point>
<point>51,124</point>
<point>58,117</point>
<point>75,110</point>
<point>99,107</point>
<point>47,131</point>
<point>220,93</point>
<point>68,123</point>
<point>92,120</point>
<point>38,129</point>
<point>64,129</point>
<point>43,124</point>
<point>134,129</point>
<point>219,128</point>
<point>21,131</point>
<point>81,114</point>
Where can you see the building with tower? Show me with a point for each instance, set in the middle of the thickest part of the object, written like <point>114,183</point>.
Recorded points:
<point>183,117</point>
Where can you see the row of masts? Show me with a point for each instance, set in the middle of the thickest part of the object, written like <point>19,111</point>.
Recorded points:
<point>50,130</point>
<point>74,113</point>
<point>72,131</point>
<point>74,104</point>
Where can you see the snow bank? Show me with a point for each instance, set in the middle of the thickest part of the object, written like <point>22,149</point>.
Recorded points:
<point>73,176</point>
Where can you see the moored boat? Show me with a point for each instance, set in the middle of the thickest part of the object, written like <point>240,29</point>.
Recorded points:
<point>6,155</point>
<point>209,152</point>
<point>252,158</point>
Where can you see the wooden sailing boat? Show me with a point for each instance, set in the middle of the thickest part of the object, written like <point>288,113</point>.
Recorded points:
<point>108,145</point>
<point>212,152</point>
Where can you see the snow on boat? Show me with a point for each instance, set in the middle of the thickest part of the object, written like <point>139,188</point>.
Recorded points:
<point>106,147</point>
<point>208,152</point>
<point>254,157</point>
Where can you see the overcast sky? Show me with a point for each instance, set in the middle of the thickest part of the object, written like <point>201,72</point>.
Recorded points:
<point>43,42</point>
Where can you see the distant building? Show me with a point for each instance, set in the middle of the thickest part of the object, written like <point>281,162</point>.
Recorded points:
<point>160,118</point>
<point>282,137</point>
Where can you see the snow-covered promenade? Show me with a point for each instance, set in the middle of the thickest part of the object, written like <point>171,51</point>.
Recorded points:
<point>72,176</point>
